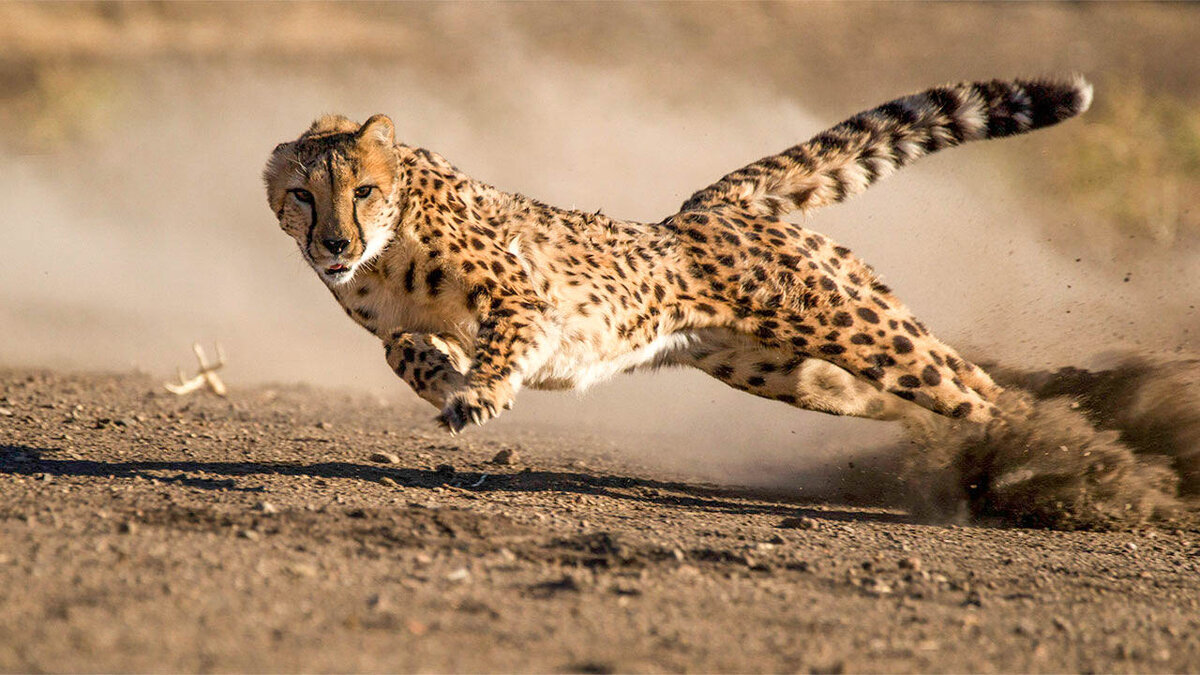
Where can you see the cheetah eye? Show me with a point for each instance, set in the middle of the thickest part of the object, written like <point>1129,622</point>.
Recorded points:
<point>363,191</point>
<point>303,195</point>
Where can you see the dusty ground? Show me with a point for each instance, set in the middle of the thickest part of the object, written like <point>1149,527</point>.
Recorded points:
<point>141,531</point>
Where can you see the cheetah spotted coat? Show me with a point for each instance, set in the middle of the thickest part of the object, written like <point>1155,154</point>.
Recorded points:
<point>476,293</point>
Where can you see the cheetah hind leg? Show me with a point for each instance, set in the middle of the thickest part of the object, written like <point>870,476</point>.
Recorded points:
<point>809,383</point>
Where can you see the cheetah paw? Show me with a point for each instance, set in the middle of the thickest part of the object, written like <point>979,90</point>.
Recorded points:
<point>470,406</point>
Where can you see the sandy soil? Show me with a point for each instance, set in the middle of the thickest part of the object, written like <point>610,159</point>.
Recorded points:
<point>143,531</point>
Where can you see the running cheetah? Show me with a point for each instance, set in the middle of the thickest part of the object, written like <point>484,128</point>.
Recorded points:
<point>476,293</point>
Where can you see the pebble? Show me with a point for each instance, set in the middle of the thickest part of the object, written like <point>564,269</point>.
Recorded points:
<point>384,458</point>
<point>799,565</point>
<point>801,523</point>
<point>388,482</point>
<point>268,508</point>
<point>459,575</point>
<point>506,456</point>
<point>302,570</point>
<point>910,563</point>
<point>325,426</point>
<point>5,412</point>
<point>877,587</point>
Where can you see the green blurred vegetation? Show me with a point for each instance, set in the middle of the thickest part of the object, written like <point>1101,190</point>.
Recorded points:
<point>1133,162</point>
<point>49,106</point>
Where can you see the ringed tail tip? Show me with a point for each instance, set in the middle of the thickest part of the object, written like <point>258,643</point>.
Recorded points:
<point>1085,93</point>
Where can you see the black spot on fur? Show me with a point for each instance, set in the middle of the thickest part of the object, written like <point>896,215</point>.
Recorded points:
<point>433,281</point>
<point>867,314</point>
<point>931,376</point>
<point>409,281</point>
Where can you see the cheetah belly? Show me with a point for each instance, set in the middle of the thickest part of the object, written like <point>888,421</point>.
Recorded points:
<point>576,364</point>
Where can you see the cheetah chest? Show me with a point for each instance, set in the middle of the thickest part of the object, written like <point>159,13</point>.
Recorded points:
<point>383,306</point>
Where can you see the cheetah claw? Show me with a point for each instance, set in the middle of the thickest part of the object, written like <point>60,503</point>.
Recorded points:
<point>467,407</point>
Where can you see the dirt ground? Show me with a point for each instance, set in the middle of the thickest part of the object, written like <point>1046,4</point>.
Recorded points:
<point>292,528</point>
<point>140,531</point>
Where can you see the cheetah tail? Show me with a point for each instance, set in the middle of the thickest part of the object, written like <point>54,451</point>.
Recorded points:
<point>847,159</point>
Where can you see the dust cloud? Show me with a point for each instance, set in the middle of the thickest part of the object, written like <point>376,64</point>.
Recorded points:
<point>126,247</point>
<point>1083,450</point>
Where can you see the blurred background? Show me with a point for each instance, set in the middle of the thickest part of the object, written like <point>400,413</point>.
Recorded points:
<point>134,219</point>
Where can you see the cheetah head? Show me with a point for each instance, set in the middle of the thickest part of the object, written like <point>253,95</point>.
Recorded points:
<point>336,191</point>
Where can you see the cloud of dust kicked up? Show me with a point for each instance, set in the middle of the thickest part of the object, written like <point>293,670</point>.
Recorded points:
<point>126,248</point>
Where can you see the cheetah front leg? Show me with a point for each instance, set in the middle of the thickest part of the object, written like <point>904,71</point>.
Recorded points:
<point>509,341</point>
<point>435,366</point>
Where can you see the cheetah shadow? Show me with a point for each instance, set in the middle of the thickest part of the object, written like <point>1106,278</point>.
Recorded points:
<point>25,460</point>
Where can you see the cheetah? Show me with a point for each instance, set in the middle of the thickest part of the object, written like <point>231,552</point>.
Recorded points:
<point>476,293</point>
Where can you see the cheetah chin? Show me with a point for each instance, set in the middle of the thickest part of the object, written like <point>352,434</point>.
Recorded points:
<point>476,292</point>
<point>341,272</point>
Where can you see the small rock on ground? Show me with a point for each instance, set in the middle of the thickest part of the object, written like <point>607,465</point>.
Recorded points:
<point>506,456</point>
<point>800,523</point>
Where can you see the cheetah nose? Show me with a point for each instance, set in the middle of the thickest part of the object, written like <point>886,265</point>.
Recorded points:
<point>336,246</point>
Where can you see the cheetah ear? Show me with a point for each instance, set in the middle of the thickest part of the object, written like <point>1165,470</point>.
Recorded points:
<point>380,129</point>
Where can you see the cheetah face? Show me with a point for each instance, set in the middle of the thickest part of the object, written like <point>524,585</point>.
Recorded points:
<point>335,190</point>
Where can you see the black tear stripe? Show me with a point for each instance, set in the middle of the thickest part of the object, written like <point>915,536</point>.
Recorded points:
<point>358,226</point>
<point>312,227</point>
